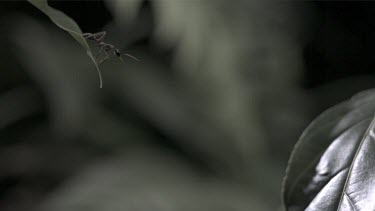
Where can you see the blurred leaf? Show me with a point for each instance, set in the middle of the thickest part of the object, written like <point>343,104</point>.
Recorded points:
<point>69,97</point>
<point>332,165</point>
<point>125,11</point>
<point>150,180</point>
<point>17,104</point>
<point>208,66</point>
<point>66,23</point>
<point>242,81</point>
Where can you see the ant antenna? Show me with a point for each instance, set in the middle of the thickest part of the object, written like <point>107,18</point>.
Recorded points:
<point>117,52</point>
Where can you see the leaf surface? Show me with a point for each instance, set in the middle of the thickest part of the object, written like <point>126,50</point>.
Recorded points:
<point>332,167</point>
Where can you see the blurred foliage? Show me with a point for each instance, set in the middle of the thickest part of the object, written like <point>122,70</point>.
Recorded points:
<point>151,180</point>
<point>205,122</point>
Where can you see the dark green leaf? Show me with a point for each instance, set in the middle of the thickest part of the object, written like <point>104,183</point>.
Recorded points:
<point>66,23</point>
<point>333,164</point>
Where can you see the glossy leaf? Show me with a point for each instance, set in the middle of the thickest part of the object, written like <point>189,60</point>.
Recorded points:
<point>66,23</point>
<point>333,164</point>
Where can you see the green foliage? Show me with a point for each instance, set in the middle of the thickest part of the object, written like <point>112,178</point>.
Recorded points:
<point>332,165</point>
<point>68,24</point>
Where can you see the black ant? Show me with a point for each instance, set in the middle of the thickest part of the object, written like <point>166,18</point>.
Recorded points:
<point>99,37</point>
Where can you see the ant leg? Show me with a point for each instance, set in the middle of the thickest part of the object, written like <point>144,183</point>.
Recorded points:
<point>99,36</point>
<point>85,35</point>
<point>105,58</point>
<point>100,52</point>
<point>88,36</point>
<point>108,47</point>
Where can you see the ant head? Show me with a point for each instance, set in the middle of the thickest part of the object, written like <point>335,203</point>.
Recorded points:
<point>117,52</point>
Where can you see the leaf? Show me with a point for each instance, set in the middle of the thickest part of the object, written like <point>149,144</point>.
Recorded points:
<point>332,167</point>
<point>68,24</point>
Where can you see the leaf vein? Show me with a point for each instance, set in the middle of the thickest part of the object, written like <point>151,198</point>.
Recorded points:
<point>350,201</point>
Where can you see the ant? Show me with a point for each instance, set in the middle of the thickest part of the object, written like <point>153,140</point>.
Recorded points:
<point>99,37</point>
